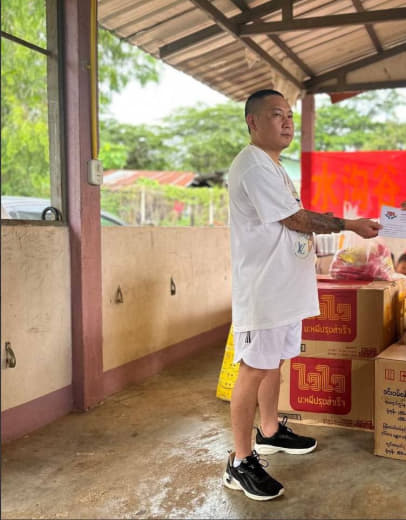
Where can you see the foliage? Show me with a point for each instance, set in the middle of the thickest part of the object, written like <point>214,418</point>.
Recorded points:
<point>145,146</point>
<point>167,205</point>
<point>206,139</point>
<point>24,106</point>
<point>24,112</point>
<point>200,139</point>
<point>119,63</point>
<point>369,121</point>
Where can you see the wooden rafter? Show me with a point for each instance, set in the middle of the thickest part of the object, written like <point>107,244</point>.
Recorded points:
<point>311,85</point>
<point>369,28</point>
<point>287,10</point>
<point>322,22</point>
<point>361,86</point>
<point>214,30</point>
<point>231,27</point>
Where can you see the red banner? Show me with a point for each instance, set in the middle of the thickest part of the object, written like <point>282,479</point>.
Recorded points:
<point>357,181</point>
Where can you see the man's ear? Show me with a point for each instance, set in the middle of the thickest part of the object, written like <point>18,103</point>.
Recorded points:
<point>250,120</point>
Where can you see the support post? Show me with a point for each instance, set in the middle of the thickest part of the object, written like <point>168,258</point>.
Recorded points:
<point>307,145</point>
<point>308,121</point>
<point>83,212</point>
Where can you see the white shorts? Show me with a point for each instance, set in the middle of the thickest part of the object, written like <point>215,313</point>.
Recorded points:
<point>265,348</point>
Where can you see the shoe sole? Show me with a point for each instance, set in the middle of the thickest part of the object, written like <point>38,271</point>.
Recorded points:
<point>266,449</point>
<point>232,483</point>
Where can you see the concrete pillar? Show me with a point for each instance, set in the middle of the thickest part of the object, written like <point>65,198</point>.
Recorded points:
<point>83,212</point>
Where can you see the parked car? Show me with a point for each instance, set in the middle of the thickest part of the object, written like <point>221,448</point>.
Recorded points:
<point>31,208</point>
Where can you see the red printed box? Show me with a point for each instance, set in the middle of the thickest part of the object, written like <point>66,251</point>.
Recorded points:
<point>338,317</point>
<point>321,386</point>
<point>357,319</point>
<point>328,391</point>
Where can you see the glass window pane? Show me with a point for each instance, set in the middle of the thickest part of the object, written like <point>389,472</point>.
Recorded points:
<point>25,19</point>
<point>24,122</point>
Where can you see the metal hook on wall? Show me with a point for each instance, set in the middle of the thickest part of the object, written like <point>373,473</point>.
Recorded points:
<point>11,360</point>
<point>119,295</point>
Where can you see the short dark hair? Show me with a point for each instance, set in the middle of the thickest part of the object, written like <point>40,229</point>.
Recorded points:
<point>402,258</point>
<point>251,103</point>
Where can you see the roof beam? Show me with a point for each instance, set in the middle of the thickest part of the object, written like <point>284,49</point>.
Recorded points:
<point>231,27</point>
<point>359,64</point>
<point>215,30</point>
<point>369,27</point>
<point>287,10</point>
<point>374,85</point>
<point>322,22</point>
<point>140,20</point>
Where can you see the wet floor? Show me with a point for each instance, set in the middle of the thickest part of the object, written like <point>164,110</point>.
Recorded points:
<point>158,450</point>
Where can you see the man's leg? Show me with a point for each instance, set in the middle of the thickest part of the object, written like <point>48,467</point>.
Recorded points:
<point>247,474</point>
<point>243,407</point>
<point>274,436</point>
<point>268,397</point>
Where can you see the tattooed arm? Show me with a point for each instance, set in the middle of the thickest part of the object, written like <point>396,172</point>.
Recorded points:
<point>306,221</point>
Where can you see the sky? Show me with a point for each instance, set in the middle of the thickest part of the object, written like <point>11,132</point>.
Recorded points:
<point>149,104</point>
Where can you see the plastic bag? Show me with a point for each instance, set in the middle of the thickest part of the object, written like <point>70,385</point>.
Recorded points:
<point>369,260</point>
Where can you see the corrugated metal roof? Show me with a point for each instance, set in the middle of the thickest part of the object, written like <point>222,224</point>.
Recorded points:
<point>119,178</point>
<point>296,46</point>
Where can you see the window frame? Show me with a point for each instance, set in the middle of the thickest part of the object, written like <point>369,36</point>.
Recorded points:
<point>55,100</point>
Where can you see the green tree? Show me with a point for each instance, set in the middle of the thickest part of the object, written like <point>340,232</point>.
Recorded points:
<point>201,139</point>
<point>206,139</point>
<point>119,63</point>
<point>146,147</point>
<point>370,121</point>
<point>24,118</point>
<point>24,108</point>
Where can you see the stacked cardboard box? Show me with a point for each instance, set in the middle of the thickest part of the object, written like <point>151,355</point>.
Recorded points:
<point>332,381</point>
<point>390,402</point>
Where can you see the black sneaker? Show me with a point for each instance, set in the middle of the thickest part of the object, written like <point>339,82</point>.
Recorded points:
<point>284,440</point>
<point>251,478</point>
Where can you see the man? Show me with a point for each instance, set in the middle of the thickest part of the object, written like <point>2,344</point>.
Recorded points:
<point>274,288</point>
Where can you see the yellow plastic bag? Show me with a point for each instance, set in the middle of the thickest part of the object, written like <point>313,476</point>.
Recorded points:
<point>229,370</point>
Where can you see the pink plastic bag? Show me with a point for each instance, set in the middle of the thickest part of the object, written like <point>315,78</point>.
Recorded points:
<point>371,260</point>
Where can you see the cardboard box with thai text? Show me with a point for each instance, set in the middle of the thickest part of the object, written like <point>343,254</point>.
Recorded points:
<point>315,390</point>
<point>328,391</point>
<point>390,402</point>
<point>358,319</point>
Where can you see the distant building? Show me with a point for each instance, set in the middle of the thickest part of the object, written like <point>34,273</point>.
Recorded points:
<point>117,179</point>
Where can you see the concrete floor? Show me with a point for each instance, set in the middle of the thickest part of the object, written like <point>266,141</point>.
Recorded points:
<point>158,450</point>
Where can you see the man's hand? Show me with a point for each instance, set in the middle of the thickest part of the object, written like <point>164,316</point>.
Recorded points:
<point>403,205</point>
<point>364,227</point>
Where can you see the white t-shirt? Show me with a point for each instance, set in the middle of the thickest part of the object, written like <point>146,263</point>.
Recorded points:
<point>273,267</point>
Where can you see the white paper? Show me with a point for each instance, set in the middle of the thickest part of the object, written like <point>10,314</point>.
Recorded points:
<point>393,221</point>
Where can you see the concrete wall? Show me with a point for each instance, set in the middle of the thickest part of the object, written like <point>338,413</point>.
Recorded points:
<point>141,261</point>
<point>35,311</point>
